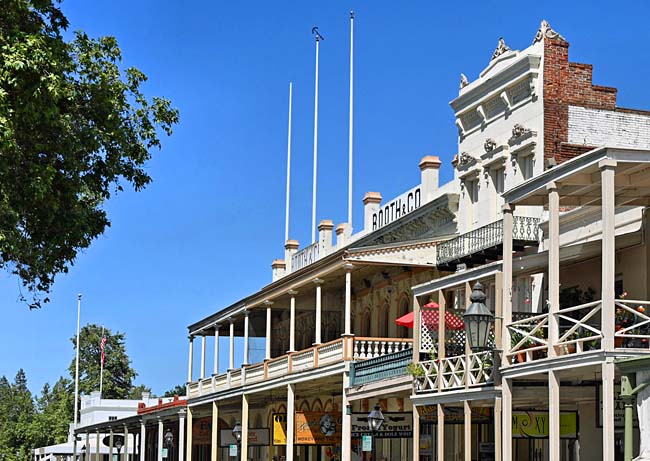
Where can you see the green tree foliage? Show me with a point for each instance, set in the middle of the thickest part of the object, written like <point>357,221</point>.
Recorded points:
<point>54,414</point>
<point>179,390</point>
<point>136,392</point>
<point>16,414</point>
<point>74,129</point>
<point>118,373</point>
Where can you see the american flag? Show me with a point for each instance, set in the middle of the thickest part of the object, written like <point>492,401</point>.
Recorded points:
<point>103,347</point>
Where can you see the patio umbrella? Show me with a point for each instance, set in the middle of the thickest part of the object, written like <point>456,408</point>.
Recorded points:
<point>431,317</point>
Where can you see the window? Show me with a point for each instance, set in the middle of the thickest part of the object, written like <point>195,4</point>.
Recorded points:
<point>112,418</point>
<point>498,178</point>
<point>403,332</point>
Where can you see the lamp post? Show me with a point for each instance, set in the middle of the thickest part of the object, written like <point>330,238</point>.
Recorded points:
<point>83,453</point>
<point>375,420</point>
<point>236,432</point>
<point>478,320</point>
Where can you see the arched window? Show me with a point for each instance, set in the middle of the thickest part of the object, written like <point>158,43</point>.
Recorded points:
<point>367,322</point>
<point>384,321</point>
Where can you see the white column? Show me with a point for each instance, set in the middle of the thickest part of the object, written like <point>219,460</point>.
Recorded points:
<point>268,304</point>
<point>553,269</point>
<point>214,455</point>
<point>202,356</point>
<point>231,362</point>
<point>216,348</point>
<point>416,434</point>
<point>291,402</point>
<point>191,359</point>
<point>607,171</point>
<point>441,432</point>
<point>181,436</point>
<point>244,427</point>
<point>161,429</point>
<point>348,299</point>
<point>467,430</point>
<point>98,445</point>
<point>497,429</point>
<point>188,443</point>
<point>292,321</point>
<point>143,441</point>
<point>608,411</point>
<point>506,293</point>
<point>506,417</point>
<point>126,444</point>
<point>246,320</point>
<point>346,425</point>
<point>554,415</point>
<point>318,322</point>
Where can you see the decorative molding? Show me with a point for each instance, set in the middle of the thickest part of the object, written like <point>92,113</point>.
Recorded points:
<point>481,112</point>
<point>463,81</point>
<point>518,131</point>
<point>500,49</point>
<point>506,100</point>
<point>545,31</point>
<point>465,159</point>
<point>489,144</point>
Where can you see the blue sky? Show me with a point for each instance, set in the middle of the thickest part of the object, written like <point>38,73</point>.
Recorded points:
<point>205,232</point>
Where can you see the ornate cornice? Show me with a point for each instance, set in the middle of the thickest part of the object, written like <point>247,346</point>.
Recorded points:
<point>545,31</point>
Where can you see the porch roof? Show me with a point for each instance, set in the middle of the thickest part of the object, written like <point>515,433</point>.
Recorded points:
<point>579,181</point>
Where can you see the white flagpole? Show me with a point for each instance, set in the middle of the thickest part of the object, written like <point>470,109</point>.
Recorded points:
<point>319,37</point>
<point>350,136</point>
<point>76,379</point>
<point>101,368</point>
<point>286,217</point>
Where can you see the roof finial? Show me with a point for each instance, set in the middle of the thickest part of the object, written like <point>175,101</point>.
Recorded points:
<point>545,31</point>
<point>501,48</point>
<point>463,81</point>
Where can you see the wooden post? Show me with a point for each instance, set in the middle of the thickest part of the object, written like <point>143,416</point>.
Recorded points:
<point>608,409</point>
<point>190,361</point>
<point>202,356</point>
<point>291,414</point>
<point>318,322</point>
<point>441,432</point>
<point>292,321</point>
<point>348,298</point>
<point>498,422</point>
<point>506,418</point>
<point>554,415</point>
<point>216,349</point>
<point>553,269</point>
<point>441,337</point>
<point>467,426</point>
<point>416,434</point>
<point>244,427</point>
<point>214,454</point>
<point>188,450</point>
<point>608,311</point>
<point>506,292</point>
<point>181,435</point>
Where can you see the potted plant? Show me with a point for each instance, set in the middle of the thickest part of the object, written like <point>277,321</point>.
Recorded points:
<point>515,338</point>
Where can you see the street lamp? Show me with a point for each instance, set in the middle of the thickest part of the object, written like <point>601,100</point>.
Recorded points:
<point>83,453</point>
<point>478,320</point>
<point>375,420</point>
<point>236,432</point>
<point>169,442</point>
<point>118,444</point>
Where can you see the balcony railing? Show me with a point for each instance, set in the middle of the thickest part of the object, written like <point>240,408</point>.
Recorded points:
<point>378,368</point>
<point>463,371</point>
<point>343,349</point>
<point>524,229</point>
<point>580,330</point>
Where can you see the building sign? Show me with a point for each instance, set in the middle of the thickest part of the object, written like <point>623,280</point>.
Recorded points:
<point>396,208</point>
<point>317,428</point>
<point>534,424</point>
<point>395,425</point>
<point>202,431</point>
<point>279,429</point>
<point>256,437</point>
<point>619,408</point>
<point>455,415</point>
<point>232,450</point>
<point>366,443</point>
<point>305,257</point>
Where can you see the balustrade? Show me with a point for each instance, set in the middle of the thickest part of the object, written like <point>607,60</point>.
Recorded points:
<point>368,348</point>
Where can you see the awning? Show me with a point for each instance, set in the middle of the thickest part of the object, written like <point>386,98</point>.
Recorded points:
<point>431,318</point>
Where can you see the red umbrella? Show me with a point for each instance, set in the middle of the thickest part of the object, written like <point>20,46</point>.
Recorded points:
<point>431,318</point>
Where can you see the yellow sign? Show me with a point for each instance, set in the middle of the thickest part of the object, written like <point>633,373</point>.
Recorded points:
<point>279,429</point>
<point>534,424</point>
<point>318,428</point>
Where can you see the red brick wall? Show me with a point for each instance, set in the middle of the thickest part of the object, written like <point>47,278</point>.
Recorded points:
<point>567,83</point>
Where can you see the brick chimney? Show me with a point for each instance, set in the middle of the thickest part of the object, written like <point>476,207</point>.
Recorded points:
<point>325,228</point>
<point>279,268</point>
<point>430,173</point>
<point>290,249</point>
<point>371,205</point>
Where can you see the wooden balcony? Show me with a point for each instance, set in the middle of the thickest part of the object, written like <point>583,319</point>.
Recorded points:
<point>579,331</point>
<point>339,350</point>
<point>450,373</point>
